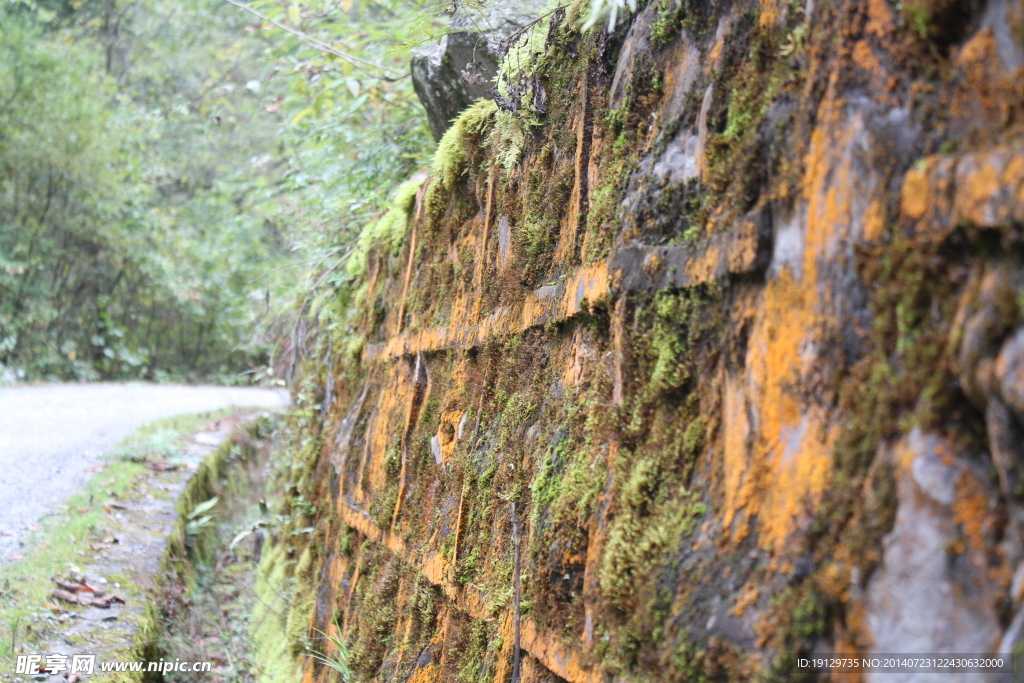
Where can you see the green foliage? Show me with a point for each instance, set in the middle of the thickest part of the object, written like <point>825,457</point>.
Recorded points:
<point>131,157</point>
<point>607,12</point>
<point>339,661</point>
<point>168,166</point>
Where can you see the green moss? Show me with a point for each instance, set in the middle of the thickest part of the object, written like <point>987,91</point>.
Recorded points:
<point>373,631</point>
<point>451,156</point>
<point>472,663</point>
<point>269,631</point>
<point>734,158</point>
<point>669,21</point>
<point>508,139</point>
<point>387,232</point>
<point>297,626</point>
<point>655,512</point>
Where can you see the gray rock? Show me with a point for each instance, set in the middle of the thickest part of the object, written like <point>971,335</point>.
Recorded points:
<point>504,242</point>
<point>439,85</point>
<point>982,330</point>
<point>920,599</point>
<point>743,249</point>
<point>474,39</point>
<point>1004,439</point>
<point>636,47</point>
<point>997,17</point>
<point>1010,371</point>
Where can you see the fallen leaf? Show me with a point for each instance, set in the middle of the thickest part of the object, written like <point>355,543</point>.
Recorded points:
<point>107,601</point>
<point>67,596</point>
<point>156,466</point>
<point>239,537</point>
<point>17,557</point>
<point>107,508</point>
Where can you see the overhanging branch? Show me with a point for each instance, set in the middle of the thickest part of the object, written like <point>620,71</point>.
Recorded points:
<point>318,44</point>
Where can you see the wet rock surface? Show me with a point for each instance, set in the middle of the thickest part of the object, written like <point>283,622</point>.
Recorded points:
<point>933,591</point>
<point>736,326</point>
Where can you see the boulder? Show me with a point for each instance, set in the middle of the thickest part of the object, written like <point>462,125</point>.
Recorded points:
<point>935,590</point>
<point>471,46</point>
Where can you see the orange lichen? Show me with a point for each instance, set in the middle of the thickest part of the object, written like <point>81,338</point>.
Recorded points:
<point>449,432</point>
<point>431,673</point>
<point>865,58</point>
<point>385,424</point>
<point>874,222</point>
<point>772,13</point>
<point>916,198</point>
<point>703,267</point>
<point>971,510</point>
<point>570,227</point>
<point>881,21</point>
<point>747,597</point>
<point>739,484</point>
<point>786,467</point>
<point>586,287</point>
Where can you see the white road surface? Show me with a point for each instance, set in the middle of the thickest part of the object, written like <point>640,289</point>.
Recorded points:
<point>50,435</point>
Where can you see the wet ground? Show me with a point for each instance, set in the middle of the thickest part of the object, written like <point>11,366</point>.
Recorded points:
<point>51,436</point>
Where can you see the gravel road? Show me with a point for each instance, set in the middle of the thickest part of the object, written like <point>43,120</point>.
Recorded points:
<point>51,434</point>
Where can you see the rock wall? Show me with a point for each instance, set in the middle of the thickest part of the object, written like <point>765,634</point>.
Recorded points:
<point>722,328</point>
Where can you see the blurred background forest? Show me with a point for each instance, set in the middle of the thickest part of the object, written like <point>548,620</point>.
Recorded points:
<point>181,179</point>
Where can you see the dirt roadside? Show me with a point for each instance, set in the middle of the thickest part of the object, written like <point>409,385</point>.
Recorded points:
<point>131,505</point>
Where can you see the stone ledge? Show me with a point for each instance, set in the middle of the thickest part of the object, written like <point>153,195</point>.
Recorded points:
<point>984,189</point>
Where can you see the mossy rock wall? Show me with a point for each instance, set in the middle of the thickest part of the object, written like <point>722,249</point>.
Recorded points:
<point>732,319</point>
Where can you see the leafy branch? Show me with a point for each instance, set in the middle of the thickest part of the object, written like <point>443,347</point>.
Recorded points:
<point>355,61</point>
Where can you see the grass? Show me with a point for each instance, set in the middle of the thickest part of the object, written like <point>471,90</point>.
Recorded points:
<point>61,542</point>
